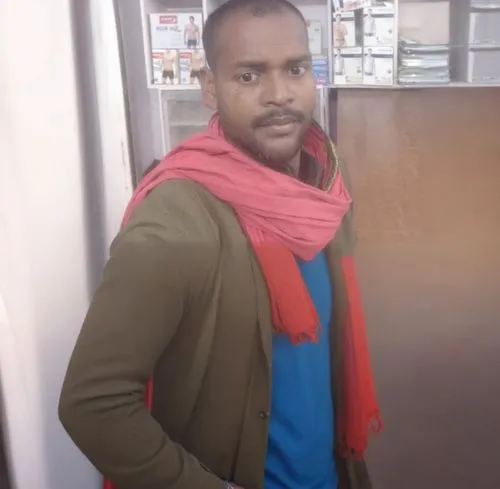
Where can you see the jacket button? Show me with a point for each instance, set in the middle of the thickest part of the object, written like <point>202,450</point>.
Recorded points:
<point>263,414</point>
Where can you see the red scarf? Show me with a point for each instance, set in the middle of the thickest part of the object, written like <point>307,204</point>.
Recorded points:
<point>282,218</point>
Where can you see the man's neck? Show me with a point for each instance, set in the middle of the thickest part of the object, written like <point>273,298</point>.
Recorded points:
<point>294,165</point>
<point>304,168</point>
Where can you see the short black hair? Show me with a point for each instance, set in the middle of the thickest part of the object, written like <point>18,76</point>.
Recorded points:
<point>257,8</point>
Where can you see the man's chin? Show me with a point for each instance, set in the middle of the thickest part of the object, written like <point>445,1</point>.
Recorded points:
<point>280,162</point>
<point>280,154</point>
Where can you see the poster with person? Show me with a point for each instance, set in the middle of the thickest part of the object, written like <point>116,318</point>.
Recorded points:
<point>176,30</point>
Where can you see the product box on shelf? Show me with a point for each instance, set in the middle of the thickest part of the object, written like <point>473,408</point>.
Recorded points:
<point>165,64</point>
<point>350,5</point>
<point>378,65</point>
<point>484,28</point>
<point>320,69</point>
<point>348,66</point>
<point>483,66</point>
<point>176,30</point>
<point>191,62</point>
<point>344,29</point>
<point>315,35</point>
<point>378,25</point>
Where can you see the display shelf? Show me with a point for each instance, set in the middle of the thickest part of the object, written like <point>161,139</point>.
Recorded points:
<point>420,86</point>
<point>175,88</point>
<point>436,44</point>
<point>465,33</point>
<point>181,114</point>
<point>180,88</point>
<point>162,114</point>
<point>468,29</point>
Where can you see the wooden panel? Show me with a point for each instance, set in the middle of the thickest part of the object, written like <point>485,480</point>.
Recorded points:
<point>425,166</point>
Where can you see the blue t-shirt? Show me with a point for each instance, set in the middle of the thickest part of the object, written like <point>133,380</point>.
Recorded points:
<point>301,428</point>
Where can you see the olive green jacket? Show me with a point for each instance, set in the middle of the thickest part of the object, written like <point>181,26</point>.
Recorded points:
<point>183,299</point>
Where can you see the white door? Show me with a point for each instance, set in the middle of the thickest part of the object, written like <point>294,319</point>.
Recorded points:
<point>64,182</point>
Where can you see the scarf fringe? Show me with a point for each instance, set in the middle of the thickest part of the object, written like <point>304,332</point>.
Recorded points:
<point>292,310</point>
<point>360,414</point>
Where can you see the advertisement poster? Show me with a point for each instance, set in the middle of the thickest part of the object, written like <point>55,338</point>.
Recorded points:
<point>176,30</point>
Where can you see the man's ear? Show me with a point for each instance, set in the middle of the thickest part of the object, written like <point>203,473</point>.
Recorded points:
<point>208,88</point>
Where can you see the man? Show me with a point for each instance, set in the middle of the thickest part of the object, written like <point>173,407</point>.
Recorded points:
<point>191,34</point>
<point>196,65</point>
<point>369,63</point>
<point>169,67</point>
<point>223,288</point>
<point>339,32</point>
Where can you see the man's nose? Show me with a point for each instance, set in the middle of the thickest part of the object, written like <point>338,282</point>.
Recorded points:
<point>277,89</point>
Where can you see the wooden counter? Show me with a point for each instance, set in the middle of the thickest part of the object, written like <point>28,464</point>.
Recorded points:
<point>425,166</point>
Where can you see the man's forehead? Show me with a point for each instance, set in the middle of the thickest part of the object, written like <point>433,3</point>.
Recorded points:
<point>257,38</point>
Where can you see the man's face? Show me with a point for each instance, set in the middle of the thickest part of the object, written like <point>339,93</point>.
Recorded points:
<point>191,19</point>
<point>338,19</point>
<point>263,86</point>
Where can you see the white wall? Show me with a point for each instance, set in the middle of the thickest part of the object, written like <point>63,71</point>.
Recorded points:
<point>63,187</point>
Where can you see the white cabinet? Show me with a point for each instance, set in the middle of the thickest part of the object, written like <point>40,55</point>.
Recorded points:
<point>475,32</point>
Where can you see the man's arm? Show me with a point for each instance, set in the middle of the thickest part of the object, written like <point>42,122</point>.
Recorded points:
<point>133,317</point>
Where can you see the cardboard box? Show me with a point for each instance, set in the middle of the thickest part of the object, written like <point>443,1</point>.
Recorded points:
<point>165,64</point>
<point>348,66</point>
<point>483,66</point>
<point>344,29</point>
<point>191,63</point>
<point>176,30</point>
<point>378,26</point>
<point>378,65</point>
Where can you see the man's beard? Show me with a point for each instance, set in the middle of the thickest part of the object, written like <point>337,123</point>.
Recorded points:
<point>257,152</point>
<point>277,163</point>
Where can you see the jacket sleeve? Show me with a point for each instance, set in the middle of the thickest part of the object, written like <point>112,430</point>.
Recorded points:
<point>132,318</point>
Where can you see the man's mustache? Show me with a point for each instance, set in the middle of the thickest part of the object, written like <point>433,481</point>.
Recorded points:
<point>268,118</point>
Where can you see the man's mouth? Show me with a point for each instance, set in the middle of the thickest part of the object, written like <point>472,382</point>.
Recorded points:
<point>280,121</point>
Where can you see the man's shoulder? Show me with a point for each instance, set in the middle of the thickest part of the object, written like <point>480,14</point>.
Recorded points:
<point>176,210</point>
<point>174,220</point>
